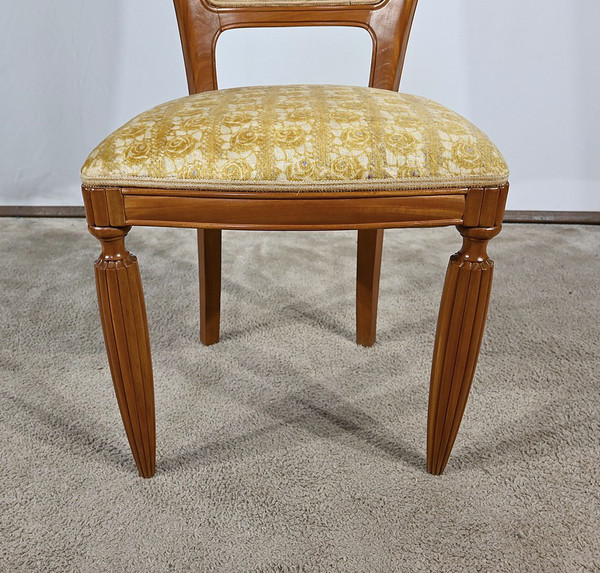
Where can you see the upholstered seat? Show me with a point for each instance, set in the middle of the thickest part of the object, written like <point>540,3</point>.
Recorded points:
<point>300,138</point>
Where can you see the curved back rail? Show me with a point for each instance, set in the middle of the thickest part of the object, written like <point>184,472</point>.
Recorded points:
<point>200,25</point>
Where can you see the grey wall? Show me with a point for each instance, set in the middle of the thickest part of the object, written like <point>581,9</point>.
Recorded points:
<point>526,71</point>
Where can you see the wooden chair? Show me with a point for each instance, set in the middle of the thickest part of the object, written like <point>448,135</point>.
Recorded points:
<point>295,158</point>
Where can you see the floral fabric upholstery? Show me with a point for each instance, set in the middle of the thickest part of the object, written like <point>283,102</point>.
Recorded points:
<point>297,138</point>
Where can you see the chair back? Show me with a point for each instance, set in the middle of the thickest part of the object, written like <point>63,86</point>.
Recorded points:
<point>202,21</point>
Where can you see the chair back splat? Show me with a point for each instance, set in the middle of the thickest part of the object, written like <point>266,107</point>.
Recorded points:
<point>202,21</point>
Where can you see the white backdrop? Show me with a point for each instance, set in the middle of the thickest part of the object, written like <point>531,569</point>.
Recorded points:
<point>526,71</point>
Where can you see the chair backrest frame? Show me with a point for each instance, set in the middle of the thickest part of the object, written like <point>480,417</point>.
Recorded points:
<point>388,22</point>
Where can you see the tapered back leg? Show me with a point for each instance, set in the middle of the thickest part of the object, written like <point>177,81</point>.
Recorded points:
<point>209,270</point>
<point>368,271</point>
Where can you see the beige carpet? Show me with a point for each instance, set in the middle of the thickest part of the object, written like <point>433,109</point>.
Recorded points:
<point>286,448</point>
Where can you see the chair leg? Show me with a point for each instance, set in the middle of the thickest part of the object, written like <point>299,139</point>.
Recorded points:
<point>459,332</point>
<point>209,266</point>
<point>368,269</point>
<point>125,327</point>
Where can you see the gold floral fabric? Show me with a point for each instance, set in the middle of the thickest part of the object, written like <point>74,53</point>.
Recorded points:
<point>297,138</point>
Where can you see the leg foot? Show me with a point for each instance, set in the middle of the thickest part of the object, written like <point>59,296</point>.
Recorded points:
<point>368,269</point>
<point>209,266</point>
<point>459,332</point>
<point>125,327</point>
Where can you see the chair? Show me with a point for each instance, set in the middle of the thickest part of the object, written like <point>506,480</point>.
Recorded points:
<point>295,158</point>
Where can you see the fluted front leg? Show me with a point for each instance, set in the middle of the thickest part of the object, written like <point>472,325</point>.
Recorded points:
<point>125,327</point>
<point>460,328</point>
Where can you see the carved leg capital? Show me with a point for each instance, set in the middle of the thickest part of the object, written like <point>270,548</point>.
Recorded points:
<point>112,240</point>
<point>475,241</point>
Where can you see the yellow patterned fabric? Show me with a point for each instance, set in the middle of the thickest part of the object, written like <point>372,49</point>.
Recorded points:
<point>297,138</point>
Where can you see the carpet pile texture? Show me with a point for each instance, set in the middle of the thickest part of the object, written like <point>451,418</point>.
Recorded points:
<point>285,447</point>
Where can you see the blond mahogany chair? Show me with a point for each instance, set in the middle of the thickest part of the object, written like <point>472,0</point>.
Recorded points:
<point>295,158</point>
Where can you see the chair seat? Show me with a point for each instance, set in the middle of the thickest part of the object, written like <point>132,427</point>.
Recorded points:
<point>297,138</point>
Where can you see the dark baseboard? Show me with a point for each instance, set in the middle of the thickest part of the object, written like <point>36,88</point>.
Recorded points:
<point>557,217</point>
<point>35,211</point>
